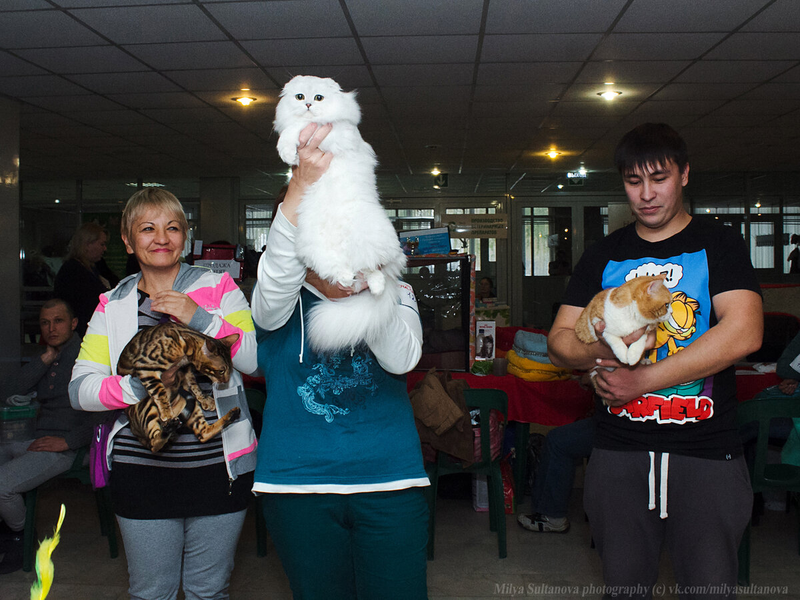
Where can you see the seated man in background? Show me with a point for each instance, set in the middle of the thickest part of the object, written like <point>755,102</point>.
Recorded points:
<point>553,479</point>
<point>60,430</point>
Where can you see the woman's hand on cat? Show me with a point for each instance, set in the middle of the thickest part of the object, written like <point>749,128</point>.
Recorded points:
<point>173,303</point>
<point>313,164</point>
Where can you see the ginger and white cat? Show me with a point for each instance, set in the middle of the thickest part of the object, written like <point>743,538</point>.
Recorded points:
<point>343,233</point>
<point>641,302</point>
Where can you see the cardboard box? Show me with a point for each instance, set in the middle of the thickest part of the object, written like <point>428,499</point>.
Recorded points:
<point>485,339</point>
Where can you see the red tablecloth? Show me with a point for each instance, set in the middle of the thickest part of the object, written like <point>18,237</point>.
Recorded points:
<point>749,383</point>
<point>543,402</point>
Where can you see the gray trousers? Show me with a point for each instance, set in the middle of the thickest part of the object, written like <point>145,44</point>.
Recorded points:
<point>707,504</point>
<point>21,471</point>
<point>201,549</point>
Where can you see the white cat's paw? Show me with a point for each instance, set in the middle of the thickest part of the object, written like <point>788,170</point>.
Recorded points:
<point>288,152</point>
<point>377,282</point>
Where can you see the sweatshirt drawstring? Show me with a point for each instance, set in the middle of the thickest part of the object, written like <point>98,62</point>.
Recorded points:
<point>664,477</point>
<point>651,483</point>
<point>302,329</point>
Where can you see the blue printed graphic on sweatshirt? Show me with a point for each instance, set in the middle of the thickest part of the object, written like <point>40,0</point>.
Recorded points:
<point>329,392</point>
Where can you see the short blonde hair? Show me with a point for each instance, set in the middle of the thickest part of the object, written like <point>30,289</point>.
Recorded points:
<point>148,198</point>
<point>86,234</point>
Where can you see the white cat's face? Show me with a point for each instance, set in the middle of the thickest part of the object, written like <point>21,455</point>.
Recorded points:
<point>315,100</point>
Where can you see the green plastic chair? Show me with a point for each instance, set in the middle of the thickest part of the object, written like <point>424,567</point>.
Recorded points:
<point>79,471</point>
<point>256,399</point>
<point>485,400</point>
<point>764,476</point>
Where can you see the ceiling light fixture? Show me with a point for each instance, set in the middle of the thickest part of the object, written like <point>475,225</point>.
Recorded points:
<point>244,100</point>
<point>553,153</point>
<point>609,95</point>
<point>435,171</point>
<point>560,186</point>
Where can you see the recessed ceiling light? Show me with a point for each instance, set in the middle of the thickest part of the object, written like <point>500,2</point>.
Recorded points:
<point>244,100</point>
<point>561,186</point>
<point>609,95</point>
<point>435,171</point>
<point>553,153</point>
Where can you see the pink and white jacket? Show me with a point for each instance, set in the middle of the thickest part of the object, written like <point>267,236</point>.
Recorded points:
<point>222,310</point>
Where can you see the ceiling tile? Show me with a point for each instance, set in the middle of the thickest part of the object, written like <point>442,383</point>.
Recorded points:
<point>774,90</point>
<point>286,19</point>
<point>524,16</point>
<point>631,71</point>
<point>348,77</point>
<point>161,100</point>
<point>433,75</point>
<point>702,91</point>
<point>655,109</point>
<point>9,5</point>
<point>66,104</point>
<point>187,55</point>
<point>793,75</point>
<point>422,95</point>
<point>151,24</point>
<point>660,17</point>
<point>90,59</point>
<point>518,93</point>
<point>110,117</point>
<point>197,80</point>
<point>544,47</point>
<point>780,16</point>
<point>43,29</point>
<point>733,71</point>
<point>511,109</point>
<point>312,51</point>
<point>767,106</point>
<point>664,46</point>
<point>123,83</point>
<point>532,74</point>
<point>420,49</point>
<point>757,46</point>
<point>416,17</point>
<point>585,108</point>
<point>201,116</point>
<point>39,85</point>
<point>13,66</point>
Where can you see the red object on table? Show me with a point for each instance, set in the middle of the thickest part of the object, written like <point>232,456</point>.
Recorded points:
<point>751,383</point>
<point>543,402</point>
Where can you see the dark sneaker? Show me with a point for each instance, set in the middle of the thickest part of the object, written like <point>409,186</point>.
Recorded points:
<point>542,523</point>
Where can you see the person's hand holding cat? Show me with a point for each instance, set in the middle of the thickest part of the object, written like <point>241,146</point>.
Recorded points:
<point>313,163</point>
<point>173,303</point>
<point>618,390</point>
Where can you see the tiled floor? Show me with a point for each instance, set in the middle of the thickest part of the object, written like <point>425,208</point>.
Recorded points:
<point>551,566</point>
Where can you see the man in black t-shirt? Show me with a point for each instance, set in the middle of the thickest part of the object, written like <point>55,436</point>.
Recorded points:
<point>667,464</point>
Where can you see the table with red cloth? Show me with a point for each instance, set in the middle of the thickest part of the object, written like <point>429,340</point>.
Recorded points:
<point>544,402</point>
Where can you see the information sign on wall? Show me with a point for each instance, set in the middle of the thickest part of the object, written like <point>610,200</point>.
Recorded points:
<point>477,226</point>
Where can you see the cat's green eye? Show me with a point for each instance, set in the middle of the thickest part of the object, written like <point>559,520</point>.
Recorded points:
<point>319,98</point>
<point>300,96</point>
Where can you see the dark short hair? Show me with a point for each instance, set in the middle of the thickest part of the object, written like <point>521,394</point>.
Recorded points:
<point>650,144</point>
<point>52,303</point>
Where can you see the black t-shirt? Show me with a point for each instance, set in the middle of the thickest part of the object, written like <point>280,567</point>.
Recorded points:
<point>697,418</point>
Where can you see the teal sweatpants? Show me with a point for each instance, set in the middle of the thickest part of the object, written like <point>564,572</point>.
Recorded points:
<point>368,546</point>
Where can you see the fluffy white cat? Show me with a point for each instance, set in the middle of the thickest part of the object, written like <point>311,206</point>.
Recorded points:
<point>343,232</point>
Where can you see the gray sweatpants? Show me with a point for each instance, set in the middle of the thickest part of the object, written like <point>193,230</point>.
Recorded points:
<point>204,547</point>
<point>698,507</point>
<point>20,471</point>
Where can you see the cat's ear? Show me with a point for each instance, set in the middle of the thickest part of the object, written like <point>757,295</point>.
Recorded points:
<point>653,287</point>
<point>230,340</point>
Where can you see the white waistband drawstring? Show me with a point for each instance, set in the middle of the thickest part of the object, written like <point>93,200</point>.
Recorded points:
<point>651,483</point>
<point>302,329</point>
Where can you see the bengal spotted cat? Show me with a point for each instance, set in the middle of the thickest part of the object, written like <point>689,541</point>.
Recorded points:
<point>165,358</point>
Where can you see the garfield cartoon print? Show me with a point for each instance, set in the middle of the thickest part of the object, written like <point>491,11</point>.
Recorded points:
<point>686,276</point>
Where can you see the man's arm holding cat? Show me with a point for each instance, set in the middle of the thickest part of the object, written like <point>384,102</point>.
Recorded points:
<point>567,351</point>
<point>738,332</point>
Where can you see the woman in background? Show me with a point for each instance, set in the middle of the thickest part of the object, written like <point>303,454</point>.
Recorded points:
<point>78,280</point>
